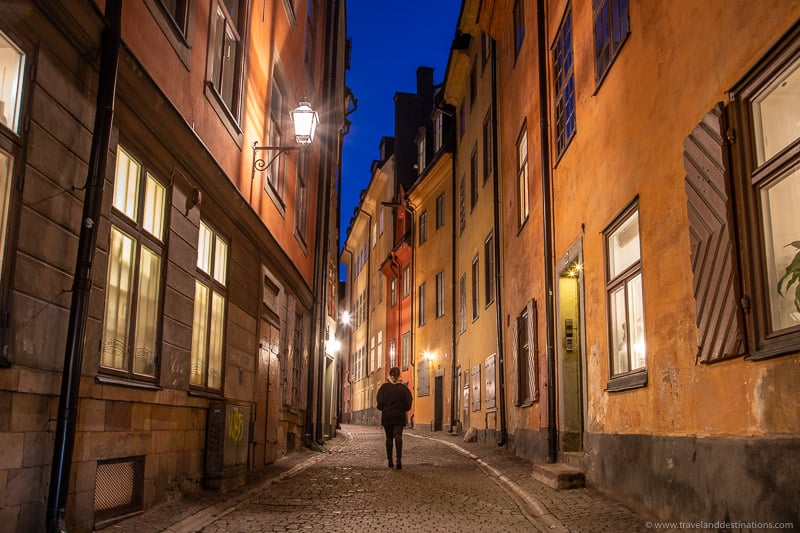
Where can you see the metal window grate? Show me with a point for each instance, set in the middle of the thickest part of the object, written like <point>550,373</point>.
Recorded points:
<point>119,484</point>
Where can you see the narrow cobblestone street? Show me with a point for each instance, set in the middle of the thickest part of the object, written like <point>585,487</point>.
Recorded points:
<point>446,485</point>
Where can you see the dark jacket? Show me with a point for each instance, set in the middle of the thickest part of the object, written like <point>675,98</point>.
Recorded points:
<point>394,400</point>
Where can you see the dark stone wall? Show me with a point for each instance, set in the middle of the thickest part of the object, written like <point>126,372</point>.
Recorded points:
<point>700,479</point>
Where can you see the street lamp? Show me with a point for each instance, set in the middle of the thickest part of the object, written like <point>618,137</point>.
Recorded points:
<point>305,121</point>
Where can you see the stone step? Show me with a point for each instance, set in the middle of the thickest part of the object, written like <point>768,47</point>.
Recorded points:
<point>577,460</point>
<point>559,476</point>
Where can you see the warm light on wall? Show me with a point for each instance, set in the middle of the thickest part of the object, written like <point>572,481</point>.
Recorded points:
<point>305,121</point>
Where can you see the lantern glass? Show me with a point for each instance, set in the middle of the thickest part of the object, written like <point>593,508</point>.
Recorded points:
<point>305,122</point>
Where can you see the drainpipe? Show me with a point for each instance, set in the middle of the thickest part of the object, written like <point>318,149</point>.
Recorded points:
<point>498,304</point>
<point>547,227</point>
<point>454,269</point>
<point>82,282</point>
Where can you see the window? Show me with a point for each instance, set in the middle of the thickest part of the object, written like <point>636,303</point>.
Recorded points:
<point>275,179</point>
<point>133,283</point>
<point>12,68</point>
<point>421,304</point>
<point>611,28</point>
<point>372,354</point>
<point>476,387</point>
<point>462,304</point>
<point>423,227</point>
<point>380,287</point>
<point>564,80</point>
<point>12,80</point>
<point>440,294</point>
<point>359,363</point>
<point>767,111</point>
<point>475,288</point>
<point>487,146</point>
<point>462,205</point>
<point>421,152</point>
<point>440,211</point>
<point>523,196</point>
<point>393,290</point>
<point>208,327</point>
<point>486,48</point>
<point>488,254</point>
<point>473,84</point>
<point>380,225</point>
<point>406,281</point>
<point>393,352</point>
<point>406,350</point>
<point>437,132</point>
<point>380,349</point>
<point>524,353</point>
<point>301,198</point>
<point>473,177</point>
<point>462,120</point>
<point>625,305</point>
<point>226,55</point>
<point>308,43</point>
<point>6,174</point>
<point>519,25</point>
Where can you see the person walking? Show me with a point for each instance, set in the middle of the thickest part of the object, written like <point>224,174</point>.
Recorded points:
<point>394,401</point>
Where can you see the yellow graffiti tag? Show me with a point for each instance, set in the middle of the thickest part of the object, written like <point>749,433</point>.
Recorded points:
<point>236,425</point>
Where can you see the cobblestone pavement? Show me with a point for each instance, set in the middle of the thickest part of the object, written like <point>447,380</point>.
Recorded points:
<point>446,485</point>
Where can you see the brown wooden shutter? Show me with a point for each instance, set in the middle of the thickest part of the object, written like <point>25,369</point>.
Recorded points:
<point>533,350</point>
<point>719,317</point>
<point>515,359</point>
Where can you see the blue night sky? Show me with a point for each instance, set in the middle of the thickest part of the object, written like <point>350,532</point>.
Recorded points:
<point>390,40</point>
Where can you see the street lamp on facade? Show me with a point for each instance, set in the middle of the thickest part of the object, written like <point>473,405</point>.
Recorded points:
<point>305,121</point>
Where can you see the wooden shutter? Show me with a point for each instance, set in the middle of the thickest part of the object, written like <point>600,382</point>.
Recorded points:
<point>515,359</point>
<point>720,332</point>
<point>533,351</point>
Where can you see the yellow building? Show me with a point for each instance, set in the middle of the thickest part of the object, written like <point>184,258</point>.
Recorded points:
<point>468,87</point>
<point>431,201</point>
<point>648,243</point>
<point>369,240</point>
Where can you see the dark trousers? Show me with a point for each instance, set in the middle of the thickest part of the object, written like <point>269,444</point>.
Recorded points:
<point>394,434</point>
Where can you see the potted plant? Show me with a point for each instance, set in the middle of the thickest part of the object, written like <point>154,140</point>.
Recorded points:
<point>792,276</point>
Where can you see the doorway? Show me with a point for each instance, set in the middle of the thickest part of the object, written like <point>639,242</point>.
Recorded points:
<point>438,402</point>
<point>571,367</point>
<point>265,431</point>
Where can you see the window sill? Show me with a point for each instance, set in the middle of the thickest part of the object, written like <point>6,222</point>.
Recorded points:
<point>632,380</point>
<point>210,395</point>
<point>123,382</point>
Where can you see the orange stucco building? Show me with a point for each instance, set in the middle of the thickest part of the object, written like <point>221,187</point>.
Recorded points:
<point>191,348</point>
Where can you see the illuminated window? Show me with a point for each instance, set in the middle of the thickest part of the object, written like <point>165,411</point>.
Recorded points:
<point>208,326</point>
<point>12,67</point>
<point>523,196</point>
<point>628,350</point>
<point>767,106</point>
<point>133,282</point>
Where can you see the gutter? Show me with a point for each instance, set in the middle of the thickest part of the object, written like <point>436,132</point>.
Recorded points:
<point>498,303</point>
<point>66,424</point>
<point>547,227</point>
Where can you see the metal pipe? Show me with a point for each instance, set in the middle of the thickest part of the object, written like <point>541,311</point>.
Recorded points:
<point>547,228</point>
<point>498,303</point>
<point>82,282</point>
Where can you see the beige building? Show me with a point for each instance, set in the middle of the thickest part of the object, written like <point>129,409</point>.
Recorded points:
<point>431,201</point>
<point>369,240</point>
<point>468,89</point>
